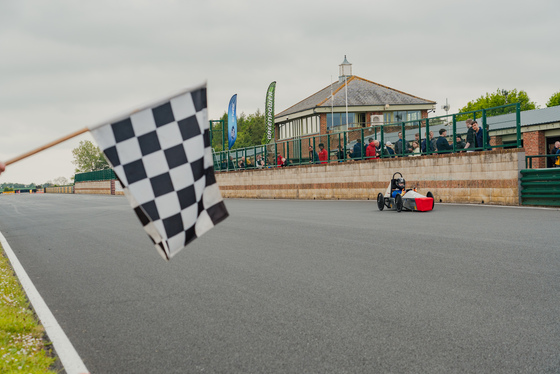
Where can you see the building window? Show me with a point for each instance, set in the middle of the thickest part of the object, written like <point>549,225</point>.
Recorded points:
<point>299,127</point>
<point>335,120</point>
<point>403,116</point>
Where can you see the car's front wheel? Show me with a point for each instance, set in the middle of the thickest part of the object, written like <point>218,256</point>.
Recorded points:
<point>399,202</point>
<point>380,201</point>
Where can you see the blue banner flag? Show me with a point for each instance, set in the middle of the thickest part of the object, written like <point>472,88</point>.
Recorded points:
<point>232,121</point>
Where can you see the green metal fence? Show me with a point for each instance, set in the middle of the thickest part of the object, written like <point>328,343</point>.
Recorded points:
<point>340,142</point>
<point>529,160</point>
<point>100,175</point>
<point>540,187</point>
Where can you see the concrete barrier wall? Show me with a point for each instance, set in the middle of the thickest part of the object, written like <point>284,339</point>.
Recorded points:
<point>491,177</point>
<point>107,187</point>
<point>93,187</point>
<point>61,189</point>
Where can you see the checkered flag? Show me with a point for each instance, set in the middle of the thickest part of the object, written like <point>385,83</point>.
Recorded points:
<point>162,156</point>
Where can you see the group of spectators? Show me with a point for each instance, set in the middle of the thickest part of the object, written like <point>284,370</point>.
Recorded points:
<point>374,149</point>
<point>474,139</point>
<point>554,162</point>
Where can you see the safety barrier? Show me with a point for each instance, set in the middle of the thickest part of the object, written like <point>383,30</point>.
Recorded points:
<point>60,189</point>
<point>540,187</point>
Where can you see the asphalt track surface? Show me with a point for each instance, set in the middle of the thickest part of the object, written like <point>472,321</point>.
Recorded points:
<point>286,286</point>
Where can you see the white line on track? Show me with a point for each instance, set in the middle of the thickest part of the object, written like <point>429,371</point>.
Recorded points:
<point>70,359</point>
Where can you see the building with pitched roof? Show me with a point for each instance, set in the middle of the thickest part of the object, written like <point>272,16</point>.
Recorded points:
<point>351,102</point>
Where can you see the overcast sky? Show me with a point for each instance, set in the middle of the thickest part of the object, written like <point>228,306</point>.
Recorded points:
<point>67,64</point>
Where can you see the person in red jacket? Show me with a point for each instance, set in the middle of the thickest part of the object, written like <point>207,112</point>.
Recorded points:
<point>323,154</point>
<point>279,160</point>
<point>371,150</point>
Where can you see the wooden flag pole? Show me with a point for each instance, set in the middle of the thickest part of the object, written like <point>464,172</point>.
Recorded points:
<point>51,144</point>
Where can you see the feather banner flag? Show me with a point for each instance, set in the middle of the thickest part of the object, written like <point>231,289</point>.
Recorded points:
<point>162,155</point>
<point>232,121</point>
<point>269,111</point>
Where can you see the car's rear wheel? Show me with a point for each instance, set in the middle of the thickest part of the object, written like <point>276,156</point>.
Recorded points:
<point>399,202</point>
<point>380,201</point>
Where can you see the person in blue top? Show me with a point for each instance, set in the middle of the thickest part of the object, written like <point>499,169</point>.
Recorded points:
<point>400,185</point>
<point>313,156</point>
<point>442,144</point>
<point>478,135</point>
<point>389,149</point>
<point>357,150</point>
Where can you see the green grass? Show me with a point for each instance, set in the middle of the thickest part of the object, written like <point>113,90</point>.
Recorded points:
<point>22,344</point>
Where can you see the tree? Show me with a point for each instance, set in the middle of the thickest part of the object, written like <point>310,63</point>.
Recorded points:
<point>88,157</point>
<point>61,181</point>
<point>250,131</point>
<point>554,100</point>
<point>499,98</point>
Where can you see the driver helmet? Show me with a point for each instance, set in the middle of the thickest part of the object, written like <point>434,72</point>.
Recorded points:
<point>400,183</point>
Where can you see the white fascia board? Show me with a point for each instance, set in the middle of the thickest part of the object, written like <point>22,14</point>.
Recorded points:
<point>288,117</point>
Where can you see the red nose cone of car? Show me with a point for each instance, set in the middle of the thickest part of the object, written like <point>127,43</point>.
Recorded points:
<point>424,204</point>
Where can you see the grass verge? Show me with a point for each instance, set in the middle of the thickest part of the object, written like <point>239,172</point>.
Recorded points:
<point>22,344</point>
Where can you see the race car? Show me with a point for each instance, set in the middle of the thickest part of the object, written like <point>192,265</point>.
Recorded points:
<point>397,197</point>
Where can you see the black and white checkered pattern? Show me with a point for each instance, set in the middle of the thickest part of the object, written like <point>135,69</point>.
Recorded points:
<point>162,156</point>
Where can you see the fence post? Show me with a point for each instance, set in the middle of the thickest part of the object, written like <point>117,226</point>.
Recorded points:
<point>328,148</point>
<point>454,134</point>
<point>518,120</point>
<point>403,140</point>
<point>427,137</point>
<point>382,134</point>
<point>484,135</point>
<point>362,151</point>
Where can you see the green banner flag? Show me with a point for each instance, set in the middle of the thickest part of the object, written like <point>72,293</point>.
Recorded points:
<point>269,111</point>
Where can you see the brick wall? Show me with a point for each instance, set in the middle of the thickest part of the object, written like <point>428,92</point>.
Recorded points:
<point>471,177</point>
<point>93,187</point>
<point>534,143</point>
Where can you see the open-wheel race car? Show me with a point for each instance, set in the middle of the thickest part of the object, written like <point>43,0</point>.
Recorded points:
<point>397,197</point>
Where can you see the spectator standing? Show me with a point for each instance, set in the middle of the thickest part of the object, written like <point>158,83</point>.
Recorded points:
<point>241,163</point>
<point>313,156</point>
<point>279,160</point>
<point>231,165</point>
<point>371,150</point>
<point>380,151</point>
<point>389,148</point>
<point>433,141</point>
<point>259,163</point>
<point>401,146</point>
<point>470,135</point>
<point>323,154</point>
<point>340,154</point>
<point>442,143</point>
<point>555,162</point>
<point>415,149</point>
<point>431,144</point>
<point>357,150</point>
<point>478,135</point>
<point>249,163</point>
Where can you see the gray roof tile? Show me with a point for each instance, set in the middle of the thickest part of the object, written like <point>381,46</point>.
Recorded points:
<point>361,92</point>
